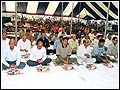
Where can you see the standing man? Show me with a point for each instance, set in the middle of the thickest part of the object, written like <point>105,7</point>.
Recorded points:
<point>11,56</point>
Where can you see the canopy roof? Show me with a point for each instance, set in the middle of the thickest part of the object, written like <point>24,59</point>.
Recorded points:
<point>94,10</point>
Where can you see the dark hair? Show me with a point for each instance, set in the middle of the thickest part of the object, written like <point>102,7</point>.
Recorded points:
<point>114,38</point>
<point>4,32</point>
<point>101,40</point>
<point>65,38</point>
<point>12,38</point>
<point>27,30</point>
<point>84,41</point>
<point>60,37</point>
<point>42,31</point>
<point>99,36</point>
<point>39,41</point>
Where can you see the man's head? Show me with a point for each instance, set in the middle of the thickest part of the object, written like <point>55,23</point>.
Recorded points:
<point>86,42</point>
<point>4,35</point>
<point>43,34</point>
<point>24,37</point>
<point>86,37</point>
<point>74,36</point>
<point>12,43</point>
<point>101,42</point>
<point>60,29</point>
<point>109,36</point>
<point>115,40</point>
<point>39,44</point>
<point>65,41</point>
<point>116,33</point>
<point>99,37</point>
<point>60,38</point>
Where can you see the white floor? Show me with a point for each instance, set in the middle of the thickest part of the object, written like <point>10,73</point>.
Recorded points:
<point>57,78</point>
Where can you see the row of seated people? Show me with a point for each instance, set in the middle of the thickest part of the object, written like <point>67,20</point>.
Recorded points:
<point>11,54</point>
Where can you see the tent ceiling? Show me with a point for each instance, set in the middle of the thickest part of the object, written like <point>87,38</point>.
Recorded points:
<point>96,10</point>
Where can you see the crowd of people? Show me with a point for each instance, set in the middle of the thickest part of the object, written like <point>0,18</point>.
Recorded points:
<point>87,43</point>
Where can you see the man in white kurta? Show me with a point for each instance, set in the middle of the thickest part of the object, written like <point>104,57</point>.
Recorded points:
<point>84,53</point>
<point>11,56</point>
<point>38,55</point>
<point>24,44</point>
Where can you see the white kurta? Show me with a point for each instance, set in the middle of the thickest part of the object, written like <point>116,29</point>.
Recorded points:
<point>24,45</point>
<point>81,55</point>
<point>36,53</point>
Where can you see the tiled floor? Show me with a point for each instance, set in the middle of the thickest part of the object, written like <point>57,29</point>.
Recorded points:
<point>57,78</point>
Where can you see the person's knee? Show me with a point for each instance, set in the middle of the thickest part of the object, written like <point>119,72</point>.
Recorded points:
<point>22,65</point>
<point>29,63</point>
<point>4,67</point>
<point>48,60</point>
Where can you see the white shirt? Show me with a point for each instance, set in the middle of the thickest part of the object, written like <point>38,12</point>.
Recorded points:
<point>36,53</point>
<point>82,50</point>
<point>24,45</point>
<point>11,55</point>
<point>5,42</point>
<point>107,42</point>
<point>114,36</point>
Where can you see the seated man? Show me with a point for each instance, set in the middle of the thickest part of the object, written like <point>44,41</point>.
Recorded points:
<point>45,41</point>
<point>63,53</point>
<point>57,43</point>
<point>73,44</point>
<point>11,56</point>
<point>100,54</point>
<point>112,51</point>
<point>84,54</point>
<point>38,55</point>
<point>24,45</point>
<point>5,40</point>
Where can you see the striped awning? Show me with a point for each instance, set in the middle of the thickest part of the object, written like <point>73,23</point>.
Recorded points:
<point>95,10</point>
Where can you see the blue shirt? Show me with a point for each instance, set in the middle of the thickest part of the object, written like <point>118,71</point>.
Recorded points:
<point>39,36</point>
<point>56,44</point>
<point>11,55</point>
<point>98,50</point>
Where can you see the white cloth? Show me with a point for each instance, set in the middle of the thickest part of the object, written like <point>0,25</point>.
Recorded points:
<point>81,55</point>
<point>82,50</point>
<point>86,60</point>
<point>11,55</point>
<point>24,45</point>
<point>36,53</point>
<point>112,57</point>
<point>107,42</point>
<point>5,42</point>
<point>114,36</point>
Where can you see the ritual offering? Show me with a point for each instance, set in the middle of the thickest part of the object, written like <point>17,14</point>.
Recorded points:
<point>67,67</point>
<point>13,71</point>
<point>42,68</point>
